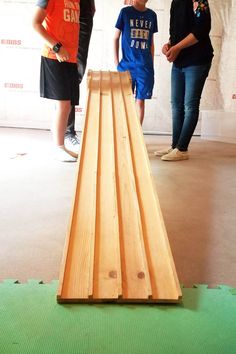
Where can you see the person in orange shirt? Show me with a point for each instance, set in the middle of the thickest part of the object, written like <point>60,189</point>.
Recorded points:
<point>57,22</point>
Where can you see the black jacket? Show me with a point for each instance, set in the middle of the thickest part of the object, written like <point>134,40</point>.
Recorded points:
<point>188,17</point>
<point>87,8</point>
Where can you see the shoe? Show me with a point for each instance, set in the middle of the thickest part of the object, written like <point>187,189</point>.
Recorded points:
<point>162,152</point>
<point>72,143</point>
<point>64,155</point>
<point>175,155</point>
<point>72,153</point>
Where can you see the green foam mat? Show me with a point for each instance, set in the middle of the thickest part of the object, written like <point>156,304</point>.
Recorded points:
<point>32,322</point>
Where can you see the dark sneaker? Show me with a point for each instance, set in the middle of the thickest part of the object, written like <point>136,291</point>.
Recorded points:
<point>72,143</point>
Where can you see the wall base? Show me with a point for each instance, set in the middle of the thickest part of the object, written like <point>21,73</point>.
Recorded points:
<point>219,126</point>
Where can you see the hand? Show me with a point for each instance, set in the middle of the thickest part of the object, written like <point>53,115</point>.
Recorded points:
<point>63,55</point>
<point>165,48</point>
<point>172,53</point>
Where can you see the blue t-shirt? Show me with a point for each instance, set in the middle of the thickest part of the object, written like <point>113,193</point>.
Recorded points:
<point>137,29</point>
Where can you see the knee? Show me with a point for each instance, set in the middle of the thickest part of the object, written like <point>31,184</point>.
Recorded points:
<point>64,106</point>
<point>192,105</point>
<point>177,107</point>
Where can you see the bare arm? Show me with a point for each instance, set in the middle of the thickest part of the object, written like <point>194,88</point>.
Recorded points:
<point>116,46</point>
<point>152,49</point>
<point>37,22</point>
<point>174,51</point>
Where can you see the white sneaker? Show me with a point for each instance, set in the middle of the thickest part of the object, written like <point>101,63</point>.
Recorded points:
<point>72,153</point>
<point>64,155</point>
<point>162,152</point>
<point>175,155</point>
<point>72,143</point>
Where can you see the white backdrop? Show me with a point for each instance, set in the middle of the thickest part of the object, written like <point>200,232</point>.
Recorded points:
<point>20,46</point>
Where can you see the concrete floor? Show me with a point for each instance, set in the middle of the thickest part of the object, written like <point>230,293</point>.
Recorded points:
<point>197,197</point>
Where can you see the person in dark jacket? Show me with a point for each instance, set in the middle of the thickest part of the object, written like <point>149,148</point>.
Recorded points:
<point>190,50</point>
<point>87,10</point>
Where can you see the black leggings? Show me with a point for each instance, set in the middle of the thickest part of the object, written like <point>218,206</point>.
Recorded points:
<point>86,26</point>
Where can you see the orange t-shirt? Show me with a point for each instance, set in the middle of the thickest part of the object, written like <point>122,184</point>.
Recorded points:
<point>62,24</point>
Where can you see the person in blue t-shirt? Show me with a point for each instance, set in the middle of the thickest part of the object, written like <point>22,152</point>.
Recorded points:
<point>137,24</point>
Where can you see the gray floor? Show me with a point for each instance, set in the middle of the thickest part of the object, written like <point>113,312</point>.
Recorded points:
<point>198,200</point>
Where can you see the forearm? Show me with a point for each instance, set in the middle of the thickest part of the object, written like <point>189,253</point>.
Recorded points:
<point>173,51</point>
<point>152,50</point>
<point>37,23</point>
<point>116,51</point>
<point>43,34</point>
<point>188,41</point>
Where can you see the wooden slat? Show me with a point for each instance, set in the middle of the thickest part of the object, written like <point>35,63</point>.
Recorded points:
<point>117,248</point>
<point>107,277</point>
<point>78,271</point>
<point>164,279</point>
<point>136,283</point>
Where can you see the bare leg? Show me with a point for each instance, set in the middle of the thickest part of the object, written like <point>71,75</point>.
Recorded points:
<point>140,106</point>
<point>59,123</point>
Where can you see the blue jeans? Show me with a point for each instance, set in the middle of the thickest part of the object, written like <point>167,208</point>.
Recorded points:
<point>186,89</point>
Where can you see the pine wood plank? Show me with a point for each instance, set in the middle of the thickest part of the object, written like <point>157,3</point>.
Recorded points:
<point>135,275</point>
<point>78,271</point>
<point>107,269</point>
<point>116,248</point>
<point>164,280</point>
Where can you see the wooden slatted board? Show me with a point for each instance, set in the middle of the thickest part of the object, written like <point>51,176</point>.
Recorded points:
<point>117,248</point>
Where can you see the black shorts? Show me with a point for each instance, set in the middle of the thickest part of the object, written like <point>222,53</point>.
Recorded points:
<point>59,81</point>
